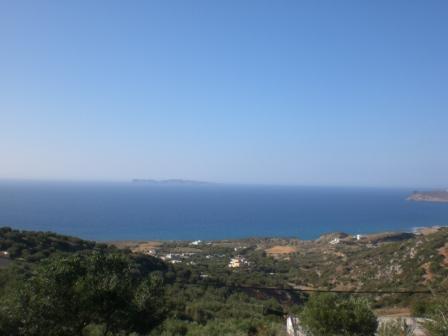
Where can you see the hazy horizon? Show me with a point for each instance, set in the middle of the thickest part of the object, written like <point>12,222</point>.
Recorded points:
<point>249,92</point>
<point>231,183</point>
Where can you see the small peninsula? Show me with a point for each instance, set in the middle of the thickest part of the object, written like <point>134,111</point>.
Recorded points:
<point>440,196</point>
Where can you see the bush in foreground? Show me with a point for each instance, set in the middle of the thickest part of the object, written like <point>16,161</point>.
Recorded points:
<point>333,315</point>
<point>438,314</point>
<point>72,295</point>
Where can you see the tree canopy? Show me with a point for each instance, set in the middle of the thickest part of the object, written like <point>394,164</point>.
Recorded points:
<point>333,315</point>
<point>70,295</point>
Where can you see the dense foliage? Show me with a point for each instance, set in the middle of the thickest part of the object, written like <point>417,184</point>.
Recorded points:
<point>333,315</point>
<point>56,285</point>
<point>67,286</point>
<point>216,311</point>
<point>34,246</point>
<point>70,295</point>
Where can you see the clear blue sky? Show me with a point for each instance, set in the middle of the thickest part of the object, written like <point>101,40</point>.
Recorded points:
<point>291,92</point>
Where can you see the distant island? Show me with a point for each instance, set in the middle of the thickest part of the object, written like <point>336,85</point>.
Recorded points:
<point>429,196</point>
<point>170,182</point>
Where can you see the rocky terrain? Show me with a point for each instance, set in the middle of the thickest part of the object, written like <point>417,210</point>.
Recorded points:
<point>429,196</point>
<point>384,261</point>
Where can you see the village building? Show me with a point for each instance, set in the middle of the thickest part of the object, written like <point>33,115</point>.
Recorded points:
<point>237,262</point>
<point>234,263</point>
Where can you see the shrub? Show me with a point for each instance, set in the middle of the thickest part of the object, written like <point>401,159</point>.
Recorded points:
<point>438,323</point>
<point>66,295</point>
<point>333,315</point>
<point>395,328</point>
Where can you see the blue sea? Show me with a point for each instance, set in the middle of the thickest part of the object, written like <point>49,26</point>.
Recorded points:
<point>122,211</point>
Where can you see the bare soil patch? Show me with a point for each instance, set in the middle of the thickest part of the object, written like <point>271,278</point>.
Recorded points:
<point>428,230</point>
<point>279,250</point>
<point>429,275</point>
<point>135,245</point>
<point>393,312</point>
<point>443,251</point>
<point>142,247</point>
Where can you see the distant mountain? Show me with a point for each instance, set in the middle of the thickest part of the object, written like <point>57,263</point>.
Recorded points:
<point>170,182</point>
<point>429,196</point>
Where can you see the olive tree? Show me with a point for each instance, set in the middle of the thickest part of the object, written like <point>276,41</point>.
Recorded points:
<point>69,295</point>
<point>333,315</point>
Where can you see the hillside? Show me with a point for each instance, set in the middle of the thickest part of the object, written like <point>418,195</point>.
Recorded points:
<point>334,261</point>
<point>383,261</point>
<point>34,246</point>
<point>240,287</point>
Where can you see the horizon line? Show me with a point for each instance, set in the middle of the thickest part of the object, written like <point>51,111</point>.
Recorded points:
<point>216,183</point>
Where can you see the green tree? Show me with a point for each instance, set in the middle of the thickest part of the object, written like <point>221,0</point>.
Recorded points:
<point>68,295</point>
<point>333,315</point>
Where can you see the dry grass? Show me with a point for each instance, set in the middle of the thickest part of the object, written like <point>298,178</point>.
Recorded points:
<point>136,246</point>
<point>149,245</point>
<point>428,230</point>
<point>393,312</point>
<point>429,275</point>
<point>443,251</point>
<point>280,250</point>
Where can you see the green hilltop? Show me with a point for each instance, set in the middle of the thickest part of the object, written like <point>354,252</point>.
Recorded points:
<point>228,287</point>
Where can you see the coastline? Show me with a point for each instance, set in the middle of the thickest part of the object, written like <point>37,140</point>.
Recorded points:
<point>368,238</point>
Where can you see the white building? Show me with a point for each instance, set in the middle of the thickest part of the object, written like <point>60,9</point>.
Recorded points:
<point>234,263</point>
<point>238,262</point>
